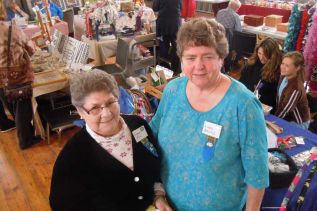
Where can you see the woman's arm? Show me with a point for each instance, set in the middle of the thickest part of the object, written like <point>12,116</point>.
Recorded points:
<point>254,198</point>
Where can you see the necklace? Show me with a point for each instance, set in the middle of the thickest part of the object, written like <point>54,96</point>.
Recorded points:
<point>203,102</point>
<point>218,82</point>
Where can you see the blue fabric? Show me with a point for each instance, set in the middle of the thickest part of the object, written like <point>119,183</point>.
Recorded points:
<point>310,202</point>
<point>240,155</point>
<point>289,129</point>
<point>10,14</point>
<point>54,9</point>
<point>126,102</point>
<point>274,197</point>
<point>282,86</point>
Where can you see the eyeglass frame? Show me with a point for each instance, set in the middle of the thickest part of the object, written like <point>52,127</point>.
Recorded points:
<point>107,105</point>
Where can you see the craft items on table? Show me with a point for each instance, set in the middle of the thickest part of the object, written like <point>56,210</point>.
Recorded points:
<point>288,142</point>
<point>266,109</point>
<point>274,127</point>
<point>277,162</point>
<point>44,61</point>
<point>300,158</point>
<point>157,78</point>
<point>282,168</point>
<point>107,19</point>
<point>71,52</point>
<point>271,4</point>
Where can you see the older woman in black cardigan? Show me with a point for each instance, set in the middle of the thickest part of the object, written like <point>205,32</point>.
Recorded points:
<point>113,163</point>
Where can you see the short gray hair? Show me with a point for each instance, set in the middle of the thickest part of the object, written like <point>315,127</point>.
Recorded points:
<point>83,84</point>
<point>234,4</point>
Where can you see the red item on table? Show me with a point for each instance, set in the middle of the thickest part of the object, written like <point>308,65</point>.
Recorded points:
<point>285,141</point>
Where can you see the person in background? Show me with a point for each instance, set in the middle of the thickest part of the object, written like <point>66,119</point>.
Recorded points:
<point>53,8</point>
<point>113,163</point>
<point>292,104</point>
<point>262,72</point>
<point>210,128</point>
<point>13,10</point>
<point>21,109</point>
<point>167,24</point>
<point>229,18</point>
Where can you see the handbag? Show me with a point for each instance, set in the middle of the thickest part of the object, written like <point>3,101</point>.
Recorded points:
<point>13,91</point>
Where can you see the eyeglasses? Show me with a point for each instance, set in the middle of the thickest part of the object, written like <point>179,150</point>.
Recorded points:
<point>98,109</point>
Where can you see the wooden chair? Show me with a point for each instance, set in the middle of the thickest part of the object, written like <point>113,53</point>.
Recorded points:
<point>40,39</point>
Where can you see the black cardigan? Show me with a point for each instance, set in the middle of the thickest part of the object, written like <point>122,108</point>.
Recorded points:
<point>87,177</point>
<point>251,75</point>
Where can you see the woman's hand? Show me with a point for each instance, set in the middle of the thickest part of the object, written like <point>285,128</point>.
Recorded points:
<point>161,204</point>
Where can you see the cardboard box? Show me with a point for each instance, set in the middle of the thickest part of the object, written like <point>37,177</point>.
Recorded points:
<point>253,20</point>
<point>273,20</point>
<point>282,27</point>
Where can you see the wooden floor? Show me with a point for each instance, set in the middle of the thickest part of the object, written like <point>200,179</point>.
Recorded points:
<point>25,175</point>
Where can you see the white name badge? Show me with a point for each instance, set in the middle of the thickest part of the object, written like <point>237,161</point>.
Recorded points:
<point>140,134</point>
<point>212,129</point>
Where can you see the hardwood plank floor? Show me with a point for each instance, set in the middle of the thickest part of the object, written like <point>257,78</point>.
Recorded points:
<point>25,175</point>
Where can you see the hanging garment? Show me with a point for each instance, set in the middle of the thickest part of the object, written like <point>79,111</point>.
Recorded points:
<point>309,24</point>
<point>303,27</point>
<point>310,55</point>
<point>293,29</point>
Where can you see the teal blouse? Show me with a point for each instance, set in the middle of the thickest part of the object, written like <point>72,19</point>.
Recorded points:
<point>240,155</point>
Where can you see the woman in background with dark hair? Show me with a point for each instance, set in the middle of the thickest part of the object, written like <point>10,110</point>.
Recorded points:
<point>262,72</point>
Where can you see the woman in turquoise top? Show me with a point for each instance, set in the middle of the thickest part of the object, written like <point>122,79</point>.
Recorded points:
<point>211,129</point>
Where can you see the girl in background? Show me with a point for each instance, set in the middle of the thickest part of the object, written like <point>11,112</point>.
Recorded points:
<point>262,73</point>
<point>292,104</point>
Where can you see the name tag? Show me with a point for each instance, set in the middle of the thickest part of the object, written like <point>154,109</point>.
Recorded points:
<point>140,134</point>
<point>212,129</point>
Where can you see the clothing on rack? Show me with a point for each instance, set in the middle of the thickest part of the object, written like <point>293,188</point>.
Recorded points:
<point>304,21</point>
<point>309,24</point>
<point>293,29</point>
<point>310,54</point>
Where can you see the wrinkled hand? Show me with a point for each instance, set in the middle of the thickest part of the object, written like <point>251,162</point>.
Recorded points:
<point>162,204</point>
